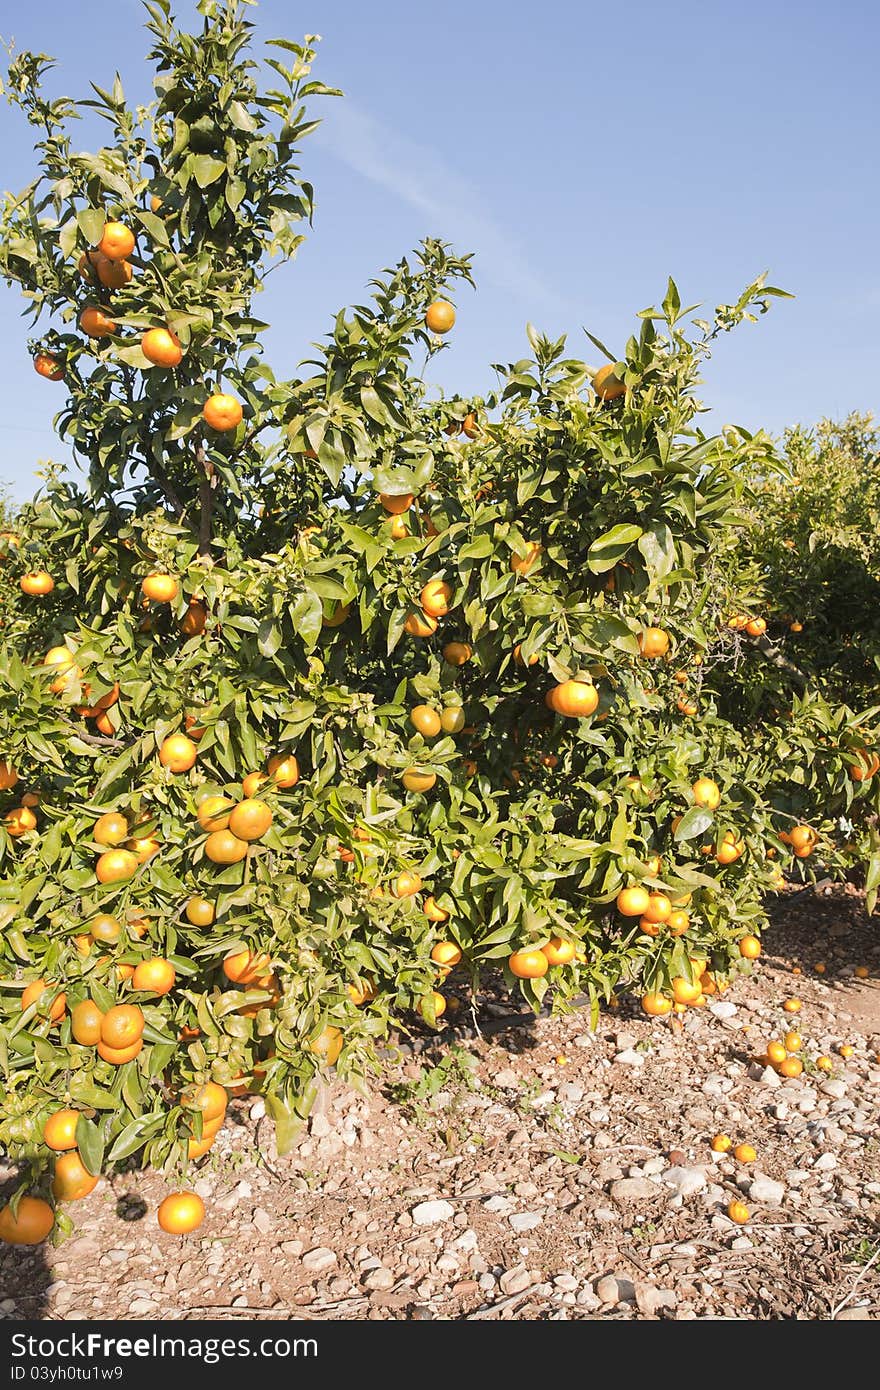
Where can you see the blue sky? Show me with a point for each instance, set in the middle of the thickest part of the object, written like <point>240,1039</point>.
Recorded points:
<point>583,153</point>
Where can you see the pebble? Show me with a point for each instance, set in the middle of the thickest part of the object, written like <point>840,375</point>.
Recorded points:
<point>615,1288</point>
<point>430,1213</point>
<point>507,1079</point>
<point>723,1009</point>
<point>525,1220</point>
<point>635,1190</point>
<point>686,1181</point>
<point>651,1300</point>
<point>515,1280</point>
<point>833,1087</point>
<point>380,1278</point>
<point>766,1190</point>
<point>825,1163</point>
<point>860,1313</point>
<point>319,1259</point>
<point>262,1220</point>
<point>630,1058</point>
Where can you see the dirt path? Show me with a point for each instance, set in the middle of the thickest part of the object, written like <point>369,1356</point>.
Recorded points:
<point>541,1171</point>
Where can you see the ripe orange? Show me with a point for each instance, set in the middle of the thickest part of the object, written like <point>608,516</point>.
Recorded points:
<point>648,927</point>
<point>738,1212</point>
<point>250,820</point>
<point>144,847</point>
<point>659,908</point>
<point>756,627</point>
<point>19,821</point>
<point>653,641</point>
<point>222,412</point>
<point>115,866</point>
<point>362,993</point>
<point>721,1144</point>
<point>72,1178</point>
<point>846,1050</point>
<point>678,922</point>
<point>417,780</point>
<point>824,1063</point>
<point>210,1099</point>
<point>775,1052</point>
<point>246,967</point>
<point>528,964</point>
<point>31,1223</point>
<point>523,564</point>
<point>791,1067</point>
<point>110,829</point>
<point>160,588</point>
<point>396,503</point>
<point>574,699</point>
<point>117,241</point>
<point>802,837</point>
<point>861,972</point>
<point>706,793</point>
<point>749,947</point>
<point>435,597</point>
<point>155,976</point>
<point>36,584</point>
<point>328,1044</point>
<point>559,952</point>
<point>118,1056</point>
<point>105,928</point>
<point>336,615</point>
<point>180,1212</point>
<point>161,347</point>
<point>56,1009</point>
<point>8,776</point>
<point>95,323</point>
<point>656,1004</point>
<point>398,528</point>
<point>195,619</point>
<point>85,1023</point>
<point>197,1148</point>
<point>793,1041</point>
<point>439,1005</point>
<point>730,849</point>
<point>200,912</point>
<point>214,812</point>
<point>457,653</point>
<point>792,1006</point>
<point>866,766</point>
<point>178,753</point>
<point>48,366</point>
<point>470,427</point>
<point>633,901</point>
<point>520,659</point>
<point>113,274</point>
<point>607,386</point>
<point>446,953</point>
<point>426,720</point>
<point>420,625</point>
<point>744,1153</point>
<point>439,316</point>
<point>222,847</point>
<point>284,769</point>
<point>433,912</point>
<point>406,884</point>
<point>684,992</point>
<point>59,1131</point>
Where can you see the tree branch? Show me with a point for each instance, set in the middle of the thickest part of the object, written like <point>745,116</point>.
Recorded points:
<point>206,499</point>
<point>773,654</point>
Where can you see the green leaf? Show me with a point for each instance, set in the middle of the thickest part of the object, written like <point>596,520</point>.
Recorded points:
<point>90,1145</point>
<point>206,169</point>
<point>91,222</point>
<point>154,227</point>
<point>607,549</point>
<point>658,549</point>
<point>694,822</point>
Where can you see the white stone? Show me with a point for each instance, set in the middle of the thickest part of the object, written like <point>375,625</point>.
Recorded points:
<point>723,1009</point>
<point>429,1213</point>
<point>686,1181</point>
<point>319,1259</point>
<point>766,1190</point>
<point>525,1220</point>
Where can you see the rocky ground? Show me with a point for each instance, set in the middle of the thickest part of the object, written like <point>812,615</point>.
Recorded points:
<point>536,1170</point>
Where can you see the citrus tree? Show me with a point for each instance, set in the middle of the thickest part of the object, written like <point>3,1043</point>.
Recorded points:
<point>316,690</point>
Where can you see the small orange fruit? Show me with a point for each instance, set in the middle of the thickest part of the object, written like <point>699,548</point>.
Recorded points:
<point>706,793</point>
<point>72,1179</point>
<point>721,1144</point>
<point>528,964</point>
<point>155,976</point>
<point>31,1223</point>
<point>659,907</point>
<point>439,1006</point>
<point>105,928</point>
<point>110,829</point>
<point>684,991</point>
<point>575,699</point>
<point>59,1131</point>
<point>633,901</point>
<point>395,504</point>
<point>775,1052</point>
<point>446,953</point>
<point>744,1153</point>
<point>85,1023</point>
<point>222,847</point>
<point>656,1004</point>
<point>95,323</point>
<point>558,951</point>
<point>846,1050</point>
<point>738,1212</point>
<point>824,1063</point>
<point>607,386</point>
<point>791,1067</point>
<point>426,720</point>
<point>749,947</point>
<point>161,347</point>
<point>214,812</point>
<point>222,412</point>
<point>115,866</point>
<point>160,588</point>
<point>433,912</point>
<point>117,241</point>
<point>439,316</point>
<point>417,780</point>
<point>328,1044</point>
<point>653,641</point>
<point>283,769</point>
<point>122,1025</point>
<point>250,820</point>
<point>48,366</point>
<point>435,597</point>
<point>792,1006</point>
<point>58,1006</point>
<point>181,1212</point>
<point>793,1042</point>
<point>406,884</point>
<point>420,625</point>
<point>118,1056</point>
<point>200,912</point>
<point>178,753</point>
<point>457,653</point>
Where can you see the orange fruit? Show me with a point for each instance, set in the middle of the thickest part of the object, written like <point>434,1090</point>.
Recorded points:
<point>118,1056</point>
<point>195,619</point>
<point>327,1045</point>
<point>678,922</point>
<point>161,347</point>
<point>558,951</point>
<point>362,993</point>
<point>160,588</point>
<point>607,386</point>
<point>113,275</point>
<point>824,1063</point>
<point>200,912</point>
<point>426,720</point>
<point>457,653</point>
<point>439,1005</point>
<point>59,1131</point>
<point>283,769</point>
<point>792,1006</point>
<point>122,1025</point>
<point>435,597</point>
<point>791,1067</point>
<point>250,820</point>
<point>446,953</point>
<point>246,967</point>
<point>633,901</point>
<point>144,848</point>
<point>653,641</point>
<point>85,1023</point>
<point>58,1006</point>
<point>684,992</point>
<point>528,964</point>
<point>31,1223</point>
<point>105,928</point>
<point>178,753</point>
<point>861,972</point>
<point>793,1042</point>
<point>738,1212</point>
<point>210,1099</point>
<point>19,821</point>
<point>575,699</point>
<point>197,1148</point>
<point>115,866</point>
<point>214,812</point>
<point>775,1052</point>
<point>648,927</point>
<point>222,847</point>
<point>867,765</point>
<point>155,976</point>
<point>95,323</point>
<point>656,1004</point>
<point>706,793</point>
<point>846,1050</point>
<point>659,908</point>
<point>744,1153</point>
<point>110,829</point>
<point>180,1212</point>
<point>222,412</point>
<point>523,564</point>
<point>48,366</point>
<point>8,776</point>
<point>802,837</point>
<point>439,316</point>
<point>416,780</point>
<point>406,884</point>
<point>395,504</point>
<point>420,625</point>
<point>72,1179</point>
<point>398,528</point>
<point>36,584</point>
<point>117,241</point>
<point>520,659</point>
<point>756,627</point>
<point>470,427</point>
<point>730,849</point>
<point>749,947</point>
<point>433,912</point>
<point>721,1144</point>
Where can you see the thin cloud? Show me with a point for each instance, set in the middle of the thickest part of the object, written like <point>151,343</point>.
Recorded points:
<point>413,173</point>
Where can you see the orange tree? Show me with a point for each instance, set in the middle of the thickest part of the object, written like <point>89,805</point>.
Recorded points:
<point>318,689</point>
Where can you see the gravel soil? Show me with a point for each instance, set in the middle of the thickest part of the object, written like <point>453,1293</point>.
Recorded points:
<point>531,1169</point>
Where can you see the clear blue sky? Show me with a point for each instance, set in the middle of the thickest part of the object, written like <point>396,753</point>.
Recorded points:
<point>584,152</point>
